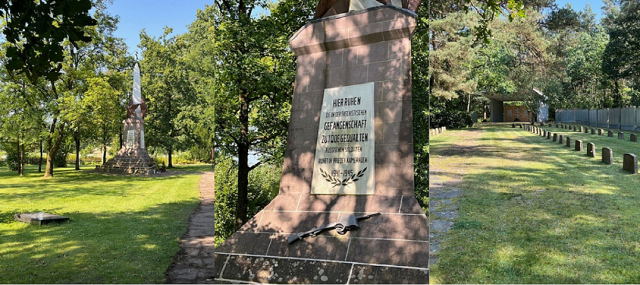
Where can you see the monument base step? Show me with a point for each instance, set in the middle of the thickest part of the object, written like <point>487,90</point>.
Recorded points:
<point>145,171</point>
<point>239,268</point>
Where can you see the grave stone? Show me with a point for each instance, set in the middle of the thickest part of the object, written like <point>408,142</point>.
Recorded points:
<point>600,132</point>
<point>355,63</point>
<point>633,137</point>
<point>513,126</point>
<point>578,146</point>
<point>560,139</point>
<point>586,130</point>
<point>574,128</point>
<point>556,125</point>
<point>620,135</point>
<point>548,135</point>
<point>630,163</point>
<point>610,133</point>
<point>568,142</point>
<point>520,126</point>
<point>580,129</point>
<point>555,137</point>
<point>591,150</point>
<point>607,155</point>
<point>593,131</point>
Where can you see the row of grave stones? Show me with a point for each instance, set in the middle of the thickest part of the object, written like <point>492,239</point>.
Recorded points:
<point>436,131</point>
<point>629,162</point>
<point>632,137</point>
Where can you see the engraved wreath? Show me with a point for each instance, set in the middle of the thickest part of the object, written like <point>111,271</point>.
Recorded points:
<point>337,182</point>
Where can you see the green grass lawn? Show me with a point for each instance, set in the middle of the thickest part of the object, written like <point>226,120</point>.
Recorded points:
<point>535,211</point>
<point>122,229</point>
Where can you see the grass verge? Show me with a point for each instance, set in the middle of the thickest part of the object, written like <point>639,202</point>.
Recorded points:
<point>122,229</point>
<point>535,211</point>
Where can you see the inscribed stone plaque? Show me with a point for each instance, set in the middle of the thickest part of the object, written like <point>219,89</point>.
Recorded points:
<point>130,138</point>
<point>345,147</point>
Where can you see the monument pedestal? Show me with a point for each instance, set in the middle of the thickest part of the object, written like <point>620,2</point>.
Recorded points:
<point>369,48</point>
<point>132,157</point>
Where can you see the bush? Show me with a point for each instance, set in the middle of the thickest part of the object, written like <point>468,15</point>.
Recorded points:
<point>451,119</point>
<point>60,159</point>
<point>264,183</point>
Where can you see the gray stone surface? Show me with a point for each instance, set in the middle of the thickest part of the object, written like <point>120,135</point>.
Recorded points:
<point>630,163</point>
<point>591,150</point>
<point>578,145</point>
<point>446,214</point>
<point>568,142</point>
<point>607,155</point>
<point>610,133</point>
<point>633,138</point>
<point>600,132</point>
<point>593,131</point>
<point>440,226</point>
<point>40,218</point>
<point>620,135</point>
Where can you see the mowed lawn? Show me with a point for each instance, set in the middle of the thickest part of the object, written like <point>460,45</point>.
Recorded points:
<point>122,229</point>
<point>536,211</point>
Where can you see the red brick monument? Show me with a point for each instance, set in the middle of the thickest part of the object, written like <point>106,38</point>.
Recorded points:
<point>349,152</point>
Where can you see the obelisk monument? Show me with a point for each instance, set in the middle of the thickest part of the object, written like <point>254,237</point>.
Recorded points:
<point>132,157</point>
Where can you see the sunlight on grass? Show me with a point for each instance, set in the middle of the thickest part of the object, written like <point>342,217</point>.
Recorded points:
<point>535,211</point>
<point>122,229</point>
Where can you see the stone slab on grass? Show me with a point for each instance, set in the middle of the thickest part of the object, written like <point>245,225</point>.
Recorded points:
<point>40,218</point>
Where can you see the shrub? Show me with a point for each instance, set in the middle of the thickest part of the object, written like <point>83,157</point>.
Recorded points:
<point>451,119</point>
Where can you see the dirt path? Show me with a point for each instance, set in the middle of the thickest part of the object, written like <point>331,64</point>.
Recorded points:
<point>194,262</point>
<point>443,191</point>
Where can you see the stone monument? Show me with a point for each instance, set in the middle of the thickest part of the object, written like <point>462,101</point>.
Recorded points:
<point>132,157</point>
<point>349,152</point>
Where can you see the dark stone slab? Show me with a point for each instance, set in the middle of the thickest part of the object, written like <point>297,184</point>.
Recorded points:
<point>581,129</point>
<point>591,150</point>
<point>630,163</point>
<point>40,218</point>
<point>555,137</point>
<point>513,126</point>
<point>620,135</point>
<point>578,146</point>
<point>568,142</point>
<point>279,270</point>
<point>610,133</point>
<point>219,261</point>
<point>396,252</point>
<point>548,135</point>
<point>633,137</point>
<point>560,139</point>
<point>320,247</point>
<point>366,274</point>
<point>607,155</point>
<point>246,243</point>
<point>593,131</point>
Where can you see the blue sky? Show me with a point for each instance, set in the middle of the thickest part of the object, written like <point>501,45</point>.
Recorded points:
<point>579,5</point>
<point>153,16</point>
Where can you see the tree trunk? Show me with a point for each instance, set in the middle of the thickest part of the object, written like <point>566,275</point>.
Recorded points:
<point>243,162</point>
<point>104,153</point>
<point>213,159</point>
<point>53,144</point>
<point>20,158</point>
<point>170,159</point>
<point>243,185</point>
<point>40,162</point>
<point>76,137</point>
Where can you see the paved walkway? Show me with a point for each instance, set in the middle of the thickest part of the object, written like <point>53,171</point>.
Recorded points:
<point>194,262</point>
